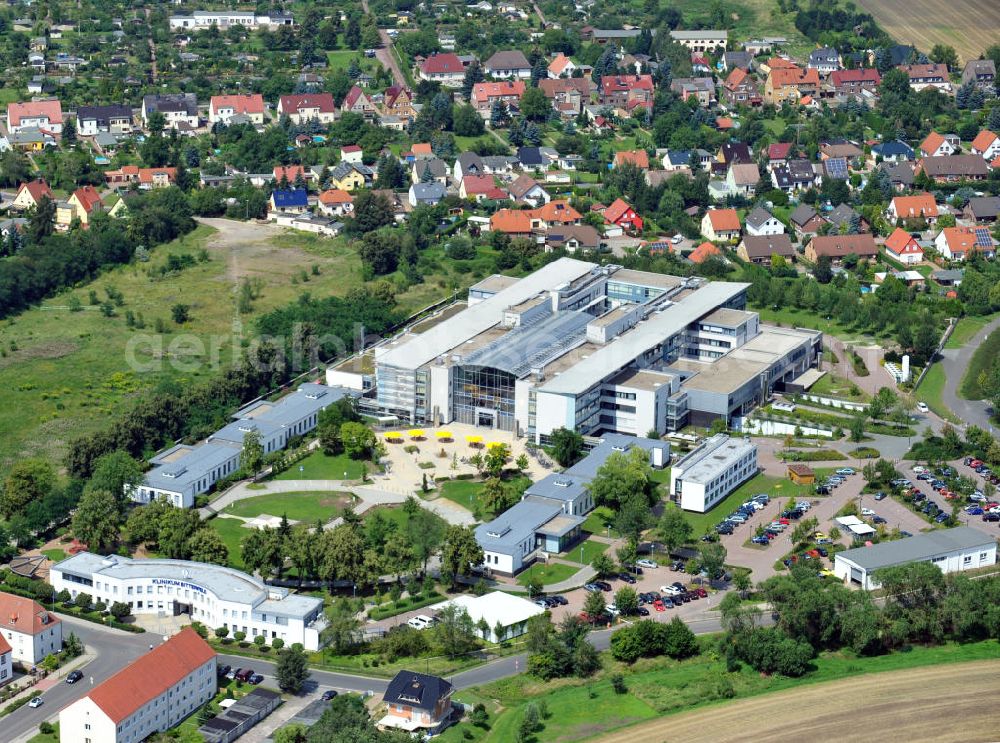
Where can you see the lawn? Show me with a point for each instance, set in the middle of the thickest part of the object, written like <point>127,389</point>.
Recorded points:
<point>467,493</point>
<point>776,487</point>
<point>580,709</point>
<point>965,329</point>
<point>319,466</point>
<point>834,386</point>
<point>305,506</point>
<point>55,554</point>
<point>231,531</point>
<point>547,574</point>
<point>983,358</point>
<point>585,552</point>
<point>63,373</point>
<point>598,520</point>
<point>51,738</point>
<point>791,317</point>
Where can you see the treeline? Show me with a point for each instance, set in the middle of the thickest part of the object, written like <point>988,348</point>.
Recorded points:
<point>47,262</point>
<point>921,605</point>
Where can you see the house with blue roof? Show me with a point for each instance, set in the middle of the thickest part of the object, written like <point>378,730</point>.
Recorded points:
<point>892,152</point>
<point>294,200</point>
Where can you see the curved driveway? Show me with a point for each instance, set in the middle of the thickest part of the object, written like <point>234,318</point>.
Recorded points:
<point>954,363</point>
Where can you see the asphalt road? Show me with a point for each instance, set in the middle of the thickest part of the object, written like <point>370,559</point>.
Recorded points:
<point>114,650</point>
<point>954,362</point>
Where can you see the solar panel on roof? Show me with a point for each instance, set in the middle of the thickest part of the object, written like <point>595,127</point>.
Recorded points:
<point>836,167</point>
<point>983,239</point>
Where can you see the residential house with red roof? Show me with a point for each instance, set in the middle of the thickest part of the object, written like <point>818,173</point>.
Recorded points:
<point>986,144</point>
<point>918,206</point>
<point>790,84</point>
<point>221,108</point>
<point>335,202</point>
<point>446,69</point>
<point>703,252</point>
<point>398,101</point>
<point>44,115</point>
<point>149,696</point>
<point>83,202</point>
<point>292,173</point>
<point>307,106</point>
<point>777,154</point>
<point>855,82</point>
<point>480,187</point>
<point>638,158</point>
<point>621,214</point>
<point>484,95</point>
<point>740,89</point>
<point>31,630</point>
<point>903,247</point>
<point>955,243</point>
<point>568,95</point>
<point>357,102</point>
<point>936,145</point>
<point>30,193</point>
<point>523,222</point>
<point>6,662</point>
<point>626,91</point>
<point>720,225</point>
<point>561,66</point>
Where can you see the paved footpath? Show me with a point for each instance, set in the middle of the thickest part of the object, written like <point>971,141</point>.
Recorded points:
<point>954,362</point>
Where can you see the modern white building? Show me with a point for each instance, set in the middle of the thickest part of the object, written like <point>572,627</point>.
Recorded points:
<point>591,348</point>
<point>711,471</point>
<point>31,630</point>
<point>180,110</point>
<point>183,472</point>
<point>223,19</point>
<point>214,595</point>
<point>952,550</point>
<point>497,607</point>
<point>149,696</point>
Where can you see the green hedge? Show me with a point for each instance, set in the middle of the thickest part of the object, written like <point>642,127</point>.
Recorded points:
<point>816,455</point>
<point>15,706</point>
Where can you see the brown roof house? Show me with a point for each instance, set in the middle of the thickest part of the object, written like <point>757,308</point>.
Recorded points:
<point>761,248</point>
<point>838,247</point>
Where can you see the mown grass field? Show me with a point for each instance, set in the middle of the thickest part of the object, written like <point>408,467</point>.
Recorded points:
<point>319,466</point>
<point>63,373</point>
<point>984,357</point>
<point>305,506</point>
<point>968,25</point>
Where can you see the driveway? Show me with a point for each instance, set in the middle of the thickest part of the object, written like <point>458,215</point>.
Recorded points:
<point>954,362</point>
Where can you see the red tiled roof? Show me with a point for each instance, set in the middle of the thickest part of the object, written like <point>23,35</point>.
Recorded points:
<point>353,96</point>
<point>290,172</point>
<point>931,143</point>
<point>960,239</point>
<point>724,220</point>
<point>793,76</point>
<point>24,615</point>
<point>842,77</point>
<point>334,196</point>
<point>923,71</point>
<point>736,78</point>
<point>88,197</point>
<point>151,675</point>
<point>557,65</point>
<point>623,83</point>
<point>322,102</point>
<point>395,91</point>
<point>616,210</point>
<point>558,210</point>
<point>639,158</point>
<point>703,252</point>
<point>485,91</point>
<point>901,241</point>
<point>983,140</point>
<point>422,148</point>
<point>440,64</point>
<point>52,110</point>
<point>37,189</point>
<point>724,122</point>
<point>918,205</point>
<point>4,646</point>
<point>478,184</point>
<point>780,63</point>
<point>350,148</point>
<point>511,221</point>
<point>779,151</point>
<point>251,103</point>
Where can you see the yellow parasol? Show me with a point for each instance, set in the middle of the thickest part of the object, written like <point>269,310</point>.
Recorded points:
<point>393,435</point>
<point>443,434</point>
<point>416,433</point>
<point>474,439</point>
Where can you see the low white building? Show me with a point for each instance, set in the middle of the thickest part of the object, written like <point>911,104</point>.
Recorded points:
<point>509,611</point>
<point>713,470</point>
<point>952,550</point>
<point>214,595</point>
<point>149,696</point>
<point>31,630</point>
<point>6,664</point>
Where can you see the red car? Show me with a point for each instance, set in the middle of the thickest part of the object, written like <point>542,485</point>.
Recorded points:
<point>658,605</point>
<point>975,463</point>
<point>701,592</point>
<point>784,521</point>
<point>813,553</point>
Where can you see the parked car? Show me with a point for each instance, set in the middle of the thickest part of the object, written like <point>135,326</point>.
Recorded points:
<point>232,673</point>
<point>244,674</point>
<point>991,517</point>
<point>942,517</point>
<point>867,512</point>
<point>74,676</point>
<point>659,605</point>
<point>701,592</point>
<point>329,694</point>
<point>560,600</point>
<point>603,585</point>
<point>627,578</point>
<point>255,679</point>
<point>878,520</point>
<point>845,471</point>
<point>974,511</point>
<point>36,702</point>
<point>612,610</point>
<point>421,621</point>
<point>880,495</point>
<point>591,587</point>
<point>644,563</point>
<point>823,552</point>
<point>642,611</point>
<point>671,590</point>
<point>761,540</point>
<point>223,671</point>
<point>922,407</point>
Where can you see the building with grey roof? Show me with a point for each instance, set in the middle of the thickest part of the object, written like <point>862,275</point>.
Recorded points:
<point>586,347</point>
<point>183,472</point>
<point>711,471</point>
<point>240,716</point>
<point>214,595</point>
<point>952,550</point>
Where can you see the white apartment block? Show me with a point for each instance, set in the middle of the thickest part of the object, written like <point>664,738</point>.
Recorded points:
<point>713,470</point>
<point>31,630</point>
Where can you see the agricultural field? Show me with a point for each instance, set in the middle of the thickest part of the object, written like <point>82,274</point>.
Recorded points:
<point>64,372</point>
<point>967,25</point>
